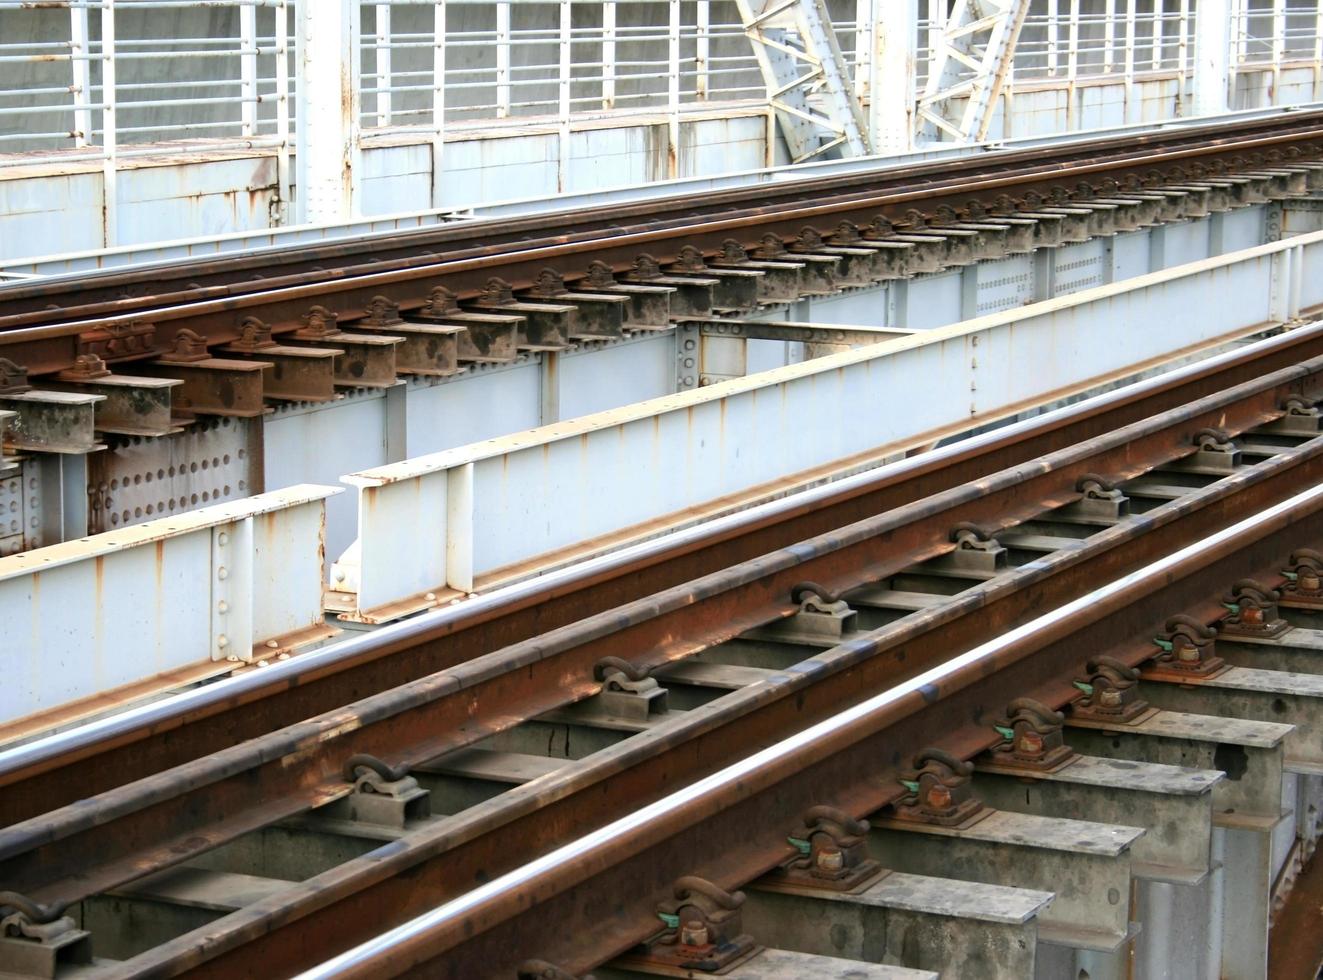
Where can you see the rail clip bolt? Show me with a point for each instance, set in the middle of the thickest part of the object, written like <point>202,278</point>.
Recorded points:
<point>830,859</point>
<point>693,933</point>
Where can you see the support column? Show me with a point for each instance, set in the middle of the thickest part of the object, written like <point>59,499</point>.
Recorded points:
<point>1212,48</point>
<point>328,111</point>
<point>894,64</point>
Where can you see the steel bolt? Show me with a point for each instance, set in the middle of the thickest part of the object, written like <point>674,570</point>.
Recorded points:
<point>830,859</point>
<point>272,644</point>
<point>222,573</point>
<point>222,539</point>
<point>222,607</point>
<point>693,933</point>
<point>222,641</point>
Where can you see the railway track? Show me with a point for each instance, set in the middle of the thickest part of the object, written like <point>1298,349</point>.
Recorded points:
<point>685,856</point>
<point>259,825</point>
<point>306,807</point>
<point>867,228</point>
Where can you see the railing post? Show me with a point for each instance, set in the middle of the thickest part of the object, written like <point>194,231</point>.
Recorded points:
<point>673,93</point>
<point>438,101</point>
<point>381,63</point>
<point>281,70</point>
<point>565,46</point>
<point>502,60</point>
<point>329,97</point>
<point>1212,48</point>
<point>609,54</point>
<point>894,59</point>
<point>81,68</point>
<point>248,69</point>
<point>109,136</point>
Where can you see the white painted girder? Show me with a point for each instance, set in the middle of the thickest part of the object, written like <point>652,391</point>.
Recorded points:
<point>516,501</point>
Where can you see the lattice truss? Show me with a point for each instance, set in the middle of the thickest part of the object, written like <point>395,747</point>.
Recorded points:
<point>801,63</point>
<point>973,56</point>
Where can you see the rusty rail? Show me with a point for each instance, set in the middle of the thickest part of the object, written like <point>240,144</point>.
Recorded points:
<point>100,757</point>
<point>91,846</point>
<point>41,325</point>
<point>730,826</point>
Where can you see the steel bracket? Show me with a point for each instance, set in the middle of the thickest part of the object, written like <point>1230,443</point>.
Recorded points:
<point>131,406</point>
<point>1111,693</point>
<point>36,941</point>
<point>486,338</point>
<point>1188,650</point>
<point>940,792</point>
<point>832,854</point>
<point>52,421</point>
<point>627,691</point>
<point>702,929</point>
<point>781,281</point>
<point>694,295</point>
<point>649,306</point>
<point>541,327</point>
<point>366,361</point>
<point>601,316</point>
<point>382,795</point>
<point>1304,581</point>
<point>210,385</point>
<point>301,374</point>
<point>734,290</point>
<point>1253,611</point>
<point>975,551</point>
<point>1100,500</point>
<point>1034,739</point>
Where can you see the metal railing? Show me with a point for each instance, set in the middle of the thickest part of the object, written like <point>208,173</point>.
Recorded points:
<point>102,80</point>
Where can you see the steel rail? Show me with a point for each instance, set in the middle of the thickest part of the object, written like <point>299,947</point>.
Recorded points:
<point>435,864</point>
<point>93,759</point>
<point>104,291</point>
<point>596,897</point>
<point>98,843</point>
<point>46,340</point>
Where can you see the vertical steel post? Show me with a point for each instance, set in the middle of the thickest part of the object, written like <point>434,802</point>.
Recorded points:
<point>609,54</point>
<point>891,112</point>
<point>502,60</point>
<point>381,62</point>
<point>1278,49</point>
<point>673,94</point>
<point>1159,9</point>
<point>81,68</point>
<point>109,136</point>
<point>438,101</point>
<point>703,25</point>
<point>1129,66</point>
<point>281,72</point>
<point>1109,36</point>
<point>248,69</point>
<point>1212,48</point>
<point>328,153</point>
<point>867,36</point>
<point>1053,22</point>
<point>1072,64</point>
<point>563,98</point>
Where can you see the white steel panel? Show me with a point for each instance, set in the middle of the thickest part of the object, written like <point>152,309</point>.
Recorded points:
<point>636,469</point>
<point>88,616</point>
<point>472,407</point>
<point>596,378</point>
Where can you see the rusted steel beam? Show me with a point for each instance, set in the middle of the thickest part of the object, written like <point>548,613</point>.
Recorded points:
<point>596,898</point>
<point>48,340</point>
<point>52,774</point>
<point>435,865</point>
<point>101,842</point>
<point>117,291</point>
